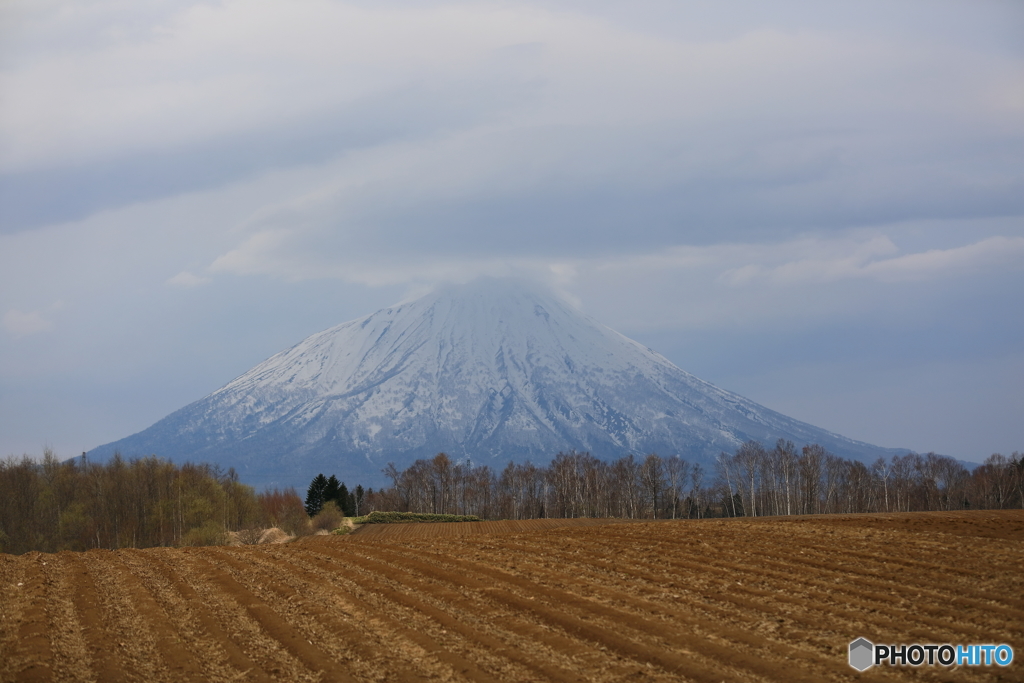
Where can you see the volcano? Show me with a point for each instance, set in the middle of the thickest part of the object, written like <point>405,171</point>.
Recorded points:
<point>490,371</point>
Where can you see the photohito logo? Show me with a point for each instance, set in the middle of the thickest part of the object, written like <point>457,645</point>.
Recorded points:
<point>864,654</point>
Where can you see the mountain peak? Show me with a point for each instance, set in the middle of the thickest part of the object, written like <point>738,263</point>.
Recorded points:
<point>497,369</point>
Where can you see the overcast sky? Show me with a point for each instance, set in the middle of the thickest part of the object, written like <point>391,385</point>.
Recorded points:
<point>817,205</point>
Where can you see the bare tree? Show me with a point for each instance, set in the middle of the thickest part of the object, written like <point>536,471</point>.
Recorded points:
<point>696,495</point>
<point>882,470</point>
<point>810,466</point>
<point>676,471</point>
<point>724,464</point>
<point>784,460</point>
<point>652,479</point>
<point>750,459</point>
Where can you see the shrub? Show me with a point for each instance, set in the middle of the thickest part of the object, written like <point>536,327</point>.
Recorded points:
<point>275,535</point>
<point>329,518</point>
<point>378,517</point>
<point>210,533</point>
<point>250,536</point>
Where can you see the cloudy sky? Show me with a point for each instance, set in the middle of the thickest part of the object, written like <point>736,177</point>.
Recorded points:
<point>817,205</point>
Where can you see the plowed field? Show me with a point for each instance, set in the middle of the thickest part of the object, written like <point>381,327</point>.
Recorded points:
<point>734,600</point>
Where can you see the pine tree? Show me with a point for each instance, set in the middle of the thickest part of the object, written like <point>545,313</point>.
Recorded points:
<point>333,491</point>
<point>315,495</point>
<point>345,501</point>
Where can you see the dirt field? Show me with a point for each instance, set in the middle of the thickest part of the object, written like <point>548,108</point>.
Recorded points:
<point>715,600</point>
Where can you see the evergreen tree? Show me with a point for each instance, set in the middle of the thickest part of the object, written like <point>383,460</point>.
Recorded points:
<point>345,501</point>
<point>333,491</point>
<point>315,495</point>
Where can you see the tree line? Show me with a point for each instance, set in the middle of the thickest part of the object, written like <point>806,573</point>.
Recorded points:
<point>753,481</point>
<point>784,481</point>
<point>76,504</point>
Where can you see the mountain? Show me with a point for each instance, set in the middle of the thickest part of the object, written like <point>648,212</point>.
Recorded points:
<point>494,370</point>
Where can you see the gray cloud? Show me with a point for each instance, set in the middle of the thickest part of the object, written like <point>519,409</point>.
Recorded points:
<point>198,185</point>
<point>527,120</point>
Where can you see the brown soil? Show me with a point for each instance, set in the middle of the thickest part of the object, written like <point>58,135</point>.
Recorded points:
<point>412,530</point>
<point>773,599</point>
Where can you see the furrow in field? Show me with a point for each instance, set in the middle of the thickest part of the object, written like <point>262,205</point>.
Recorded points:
<point>903,614</point>
<point>731,616</point>
<point>930,592</point>
<point>186,623</point>
<point>71,659</point>
<point>855,550</point>
<point>272,623</point>
<point>763,540</point>
<point>540,642</point>
<point>868,553</point>
<point>153,627</point>
<point>541,652</point>
<point>929,588</point>
<point>229,611</point>
<point>874,567</point>
<point>192,615</point>
<point>986,591</point>
<point>12,597</point>
<point>936,597</point>
<point>740,632</point>
<point>648,639</point>
<point>139,645</point>
<point>395,618</point>
<point>797,582</point>
<point>333,624</point>
<point>26,648</point>
<point>697,588</point>
<point>385,641</point>
<point>104,648</point>
<point>382,651</point>
<point>830,593</point>
<point>704,620</point>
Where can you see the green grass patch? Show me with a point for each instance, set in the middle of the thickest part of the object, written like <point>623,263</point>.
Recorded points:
<point>378,517</point>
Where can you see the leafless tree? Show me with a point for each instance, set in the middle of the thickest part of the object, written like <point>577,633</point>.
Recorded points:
<point>652,479</point>
<point>676,472</point>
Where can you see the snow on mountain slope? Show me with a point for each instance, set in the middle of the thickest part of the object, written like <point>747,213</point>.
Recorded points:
<point>494,370</point>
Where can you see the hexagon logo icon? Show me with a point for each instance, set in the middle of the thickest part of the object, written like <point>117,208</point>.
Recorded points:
<point>862,654</point>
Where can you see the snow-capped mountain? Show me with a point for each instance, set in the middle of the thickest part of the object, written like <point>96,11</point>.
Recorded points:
<point>494,370</point>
